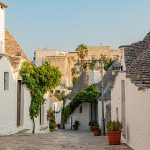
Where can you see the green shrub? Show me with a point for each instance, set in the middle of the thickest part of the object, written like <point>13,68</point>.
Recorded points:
<point>114,126</point>
<point>94,125</point>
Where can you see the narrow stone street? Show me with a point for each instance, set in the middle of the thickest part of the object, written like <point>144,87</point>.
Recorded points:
<point>58,140</point>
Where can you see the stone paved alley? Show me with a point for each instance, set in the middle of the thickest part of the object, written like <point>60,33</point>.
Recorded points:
<point>58,140</point>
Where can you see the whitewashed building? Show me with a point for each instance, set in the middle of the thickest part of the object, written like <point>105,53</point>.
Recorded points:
<point>81,113</point>
<point>87,112</point>
<point>130,97</point>
<point>15,99</point>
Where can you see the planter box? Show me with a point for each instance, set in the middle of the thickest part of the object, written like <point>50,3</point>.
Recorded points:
<point>114,137</point>
<point>96,132</point>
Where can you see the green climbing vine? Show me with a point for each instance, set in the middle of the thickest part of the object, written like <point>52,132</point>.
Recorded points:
<point>39,80</point>
<point>88,95</point>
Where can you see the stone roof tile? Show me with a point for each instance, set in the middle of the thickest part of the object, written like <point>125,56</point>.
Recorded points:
<point>13,50</point>
<point>81,84</point>
<point>137,61</point>
<point>108,82</point>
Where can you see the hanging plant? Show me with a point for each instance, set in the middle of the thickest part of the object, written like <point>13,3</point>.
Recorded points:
<point>88,95</point>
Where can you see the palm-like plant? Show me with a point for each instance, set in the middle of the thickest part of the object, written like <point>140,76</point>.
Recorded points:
<point>82,52</point>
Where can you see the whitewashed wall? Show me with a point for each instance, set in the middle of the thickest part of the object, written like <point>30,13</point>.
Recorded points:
<point>100,110</point>
<point>57,106</point>
<point>138,117</point>
<point>94,76</point>
<point>8,99</point>
<point>83,117</point>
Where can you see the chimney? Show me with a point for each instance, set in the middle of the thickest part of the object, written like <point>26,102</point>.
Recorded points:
<point>2,27</point>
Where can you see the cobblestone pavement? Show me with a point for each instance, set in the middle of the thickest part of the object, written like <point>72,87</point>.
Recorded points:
<point>58,140</point>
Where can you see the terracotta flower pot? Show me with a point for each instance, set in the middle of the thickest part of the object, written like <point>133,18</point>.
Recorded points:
<point>96,132</point>
<point>75,127</point>
<point>114,137</point>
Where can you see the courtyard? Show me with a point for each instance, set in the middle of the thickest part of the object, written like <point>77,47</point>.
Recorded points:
<point>58,140</point>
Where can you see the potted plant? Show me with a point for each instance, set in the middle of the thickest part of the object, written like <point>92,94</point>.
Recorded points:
<point>76,125</point>
<point>58,125</point>
<point>91,124</point>
<point>95,128</point>
<point>114,132</point>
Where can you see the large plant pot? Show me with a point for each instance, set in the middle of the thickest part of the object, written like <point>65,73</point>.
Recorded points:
<point>114,137</point>
<point>96,132</point>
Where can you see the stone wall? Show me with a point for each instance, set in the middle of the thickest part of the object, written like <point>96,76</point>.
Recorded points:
<point>66,61</point>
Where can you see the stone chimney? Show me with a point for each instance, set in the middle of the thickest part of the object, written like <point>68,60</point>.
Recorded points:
<point>2,27</point>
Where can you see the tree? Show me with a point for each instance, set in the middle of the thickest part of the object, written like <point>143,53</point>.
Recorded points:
<point>39,80</point>
<point>73,71</point>
<point>74,80</point>
<point>82,52</point>
<point>107,62</point>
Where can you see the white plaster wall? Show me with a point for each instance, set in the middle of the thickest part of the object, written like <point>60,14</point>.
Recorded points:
<point>138,117</point>
<point>116,98</point>
<point>58,108</point>
<point>8,100</point>
<point>46,108</point>
<point>137,105</point>
<point>94,76</point>
<point>83,117</point>
<point>116,91</point>
<point>27,101</point>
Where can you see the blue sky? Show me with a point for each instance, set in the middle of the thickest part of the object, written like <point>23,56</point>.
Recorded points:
<point>63,24</point>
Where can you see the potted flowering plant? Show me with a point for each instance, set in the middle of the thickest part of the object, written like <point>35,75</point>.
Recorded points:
<point>114,132</point>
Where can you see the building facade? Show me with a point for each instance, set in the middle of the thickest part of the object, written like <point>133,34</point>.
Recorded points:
<point>14,96</point>
<point>131,92</point>
<point>66,60</point>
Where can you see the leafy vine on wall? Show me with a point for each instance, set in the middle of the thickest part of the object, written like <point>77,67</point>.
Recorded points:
<point>39,80</point>
<point>88,95</point>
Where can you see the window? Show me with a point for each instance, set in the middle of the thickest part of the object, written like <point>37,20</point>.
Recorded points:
<point>6,80</point>
<point>80,109</point>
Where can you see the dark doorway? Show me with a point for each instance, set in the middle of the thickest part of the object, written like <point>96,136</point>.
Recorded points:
<point>94,111</point>
<point>42,115</point>
<point>18,102</point>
